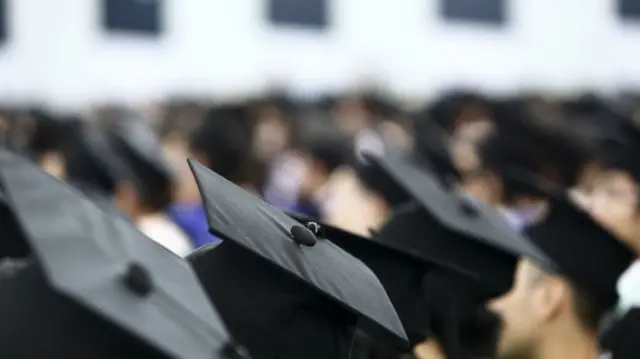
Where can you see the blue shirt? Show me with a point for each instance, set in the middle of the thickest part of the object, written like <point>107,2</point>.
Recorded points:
<point>193,221</point>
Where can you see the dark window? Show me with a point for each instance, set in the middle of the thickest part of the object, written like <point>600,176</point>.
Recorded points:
<point>305,13</point>
<point>477,11</point>
<point>4,21</point>
<point>133,16</point>
<point>629,9</point>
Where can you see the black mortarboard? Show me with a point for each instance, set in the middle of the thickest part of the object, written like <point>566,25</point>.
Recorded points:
<point>432,298</point>
<point>93,165</point>
<point>621,340</point>
<point>601,259</point>
<point>290,269</point>
<point>139,147</point>
<point>468,226</point>
<point>399,271</point>
<point>93,263</point>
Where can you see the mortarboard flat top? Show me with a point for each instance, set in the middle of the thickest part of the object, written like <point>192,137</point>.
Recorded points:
<point>456,212</point>
<point>237,216</point>
<point>601,258</point>
<point>137,141</point>
<point>107,266</point>
<point>98,148</point>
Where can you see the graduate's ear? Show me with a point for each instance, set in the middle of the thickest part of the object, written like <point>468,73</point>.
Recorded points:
<point>550,296</point>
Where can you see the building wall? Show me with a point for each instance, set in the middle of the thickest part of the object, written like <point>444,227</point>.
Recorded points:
<point>57,51</point>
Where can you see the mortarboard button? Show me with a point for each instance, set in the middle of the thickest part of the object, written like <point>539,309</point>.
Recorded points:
<point>314,227</point>
<point>138,280</point>
<point>303,236</point>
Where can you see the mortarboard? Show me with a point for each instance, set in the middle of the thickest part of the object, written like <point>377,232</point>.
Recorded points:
<point>93,165</point>
<point>140,149</point>
<point>432,298</point>
<point>265,252</point>
<point>90,262</point>
<point>455,228</point>
<point>400,272</point>
<point>601,259</point>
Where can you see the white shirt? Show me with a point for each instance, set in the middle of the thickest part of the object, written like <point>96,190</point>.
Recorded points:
<point>629,287</point>
<point>163,231</point>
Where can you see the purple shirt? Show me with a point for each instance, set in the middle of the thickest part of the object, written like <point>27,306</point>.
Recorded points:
<point>193,221</point>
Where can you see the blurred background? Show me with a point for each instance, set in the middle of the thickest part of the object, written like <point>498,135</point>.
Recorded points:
<point>280,96</point>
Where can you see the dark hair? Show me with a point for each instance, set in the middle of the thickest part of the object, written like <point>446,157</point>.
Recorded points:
<point>329,150</point>
<point>588,309</point>
<point>521,143</point>
<point>154,186</point>
<point>225,139</point>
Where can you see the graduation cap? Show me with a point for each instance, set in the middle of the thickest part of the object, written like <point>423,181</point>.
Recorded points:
<point>432,298</point>
<point>469,226</point>
<point>93,271</point>
<point>282,270</point>
<point>601,259</point>
<point>93,165</point>
<point>140,149</point>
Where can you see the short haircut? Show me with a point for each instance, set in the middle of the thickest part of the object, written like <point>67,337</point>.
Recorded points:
<point>589,310</point>
<point>225,139</point>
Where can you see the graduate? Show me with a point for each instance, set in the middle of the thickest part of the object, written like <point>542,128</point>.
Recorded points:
<point>554,312</point>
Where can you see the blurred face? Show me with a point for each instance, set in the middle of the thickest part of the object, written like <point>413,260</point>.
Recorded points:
<point>614,202</point>
<point>526,310</point>
<point>464,142</point>
<point>271,134</point>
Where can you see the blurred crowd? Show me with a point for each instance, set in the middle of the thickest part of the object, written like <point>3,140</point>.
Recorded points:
<point>307,156</point>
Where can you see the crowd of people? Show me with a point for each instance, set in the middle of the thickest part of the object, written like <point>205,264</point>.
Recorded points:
<point>471,227</point>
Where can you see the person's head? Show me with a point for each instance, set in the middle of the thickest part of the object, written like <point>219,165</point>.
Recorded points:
<point>543,307</point>
<point>615,202</point>
<point>615,195</point>
<point>323,151</point>
<point>522,154</point>
<point>224,143</point>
